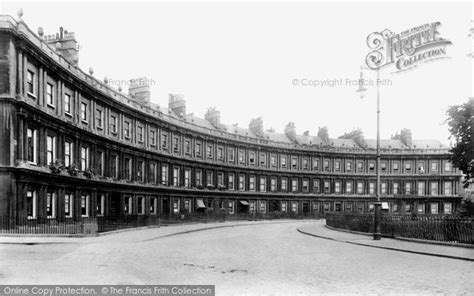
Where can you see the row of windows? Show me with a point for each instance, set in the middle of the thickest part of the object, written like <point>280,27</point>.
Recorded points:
<point>123,127</point>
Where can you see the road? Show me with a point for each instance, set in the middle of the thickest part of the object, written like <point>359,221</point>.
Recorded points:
<point>257,259</point>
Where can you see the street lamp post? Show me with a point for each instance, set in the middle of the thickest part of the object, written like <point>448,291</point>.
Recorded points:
<point>377,205</point>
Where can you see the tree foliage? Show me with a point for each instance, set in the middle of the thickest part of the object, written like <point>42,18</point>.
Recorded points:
<point>461,126</point>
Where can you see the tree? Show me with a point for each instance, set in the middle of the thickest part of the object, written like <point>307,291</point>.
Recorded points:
<point>461,126</point>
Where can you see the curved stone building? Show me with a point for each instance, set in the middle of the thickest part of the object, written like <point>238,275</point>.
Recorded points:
<point>72,146</point>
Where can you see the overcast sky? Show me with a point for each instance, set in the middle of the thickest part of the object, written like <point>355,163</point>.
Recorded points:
<point>243,58</point>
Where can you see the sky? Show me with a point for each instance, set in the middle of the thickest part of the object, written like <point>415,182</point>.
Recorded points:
<point>256,59</point>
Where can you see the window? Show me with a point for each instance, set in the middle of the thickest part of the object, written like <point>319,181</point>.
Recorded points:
<point>395,188</point>
<point>371,166</point>
<point>263,207</point>
<point>326,165</point>
<point>230,183</point>
<point>283,161</point>
<point>187,146</point>
<point>241,182</point>
<point>67,104</point>
<point>383,188</point>
<point>209,151</point>
<point>241,157</point>
<point>128,169</point>
<point>447,188</point>
<point>252,158</point>
<point>51,205</point>
<point>408,188</point>
<point>316,186</point>
<point>434,188</point>
<point>126,129</point>
<point>231,207</point>
<point>421,208</point>
<point>360,166</point>
<point>85,205</point>
<point>198,149</point>
<point>164,175</point>
<point>175,206</point>
<point>100,163</point>
<point>32,145</point>
<point>164,141</point>
<point>49,95</point>
<point>305,163</point>
<point>337,187</point>
<point>263,184</point>
<point>83,111</point>
<point>294,185</point>
<point>220,153</point>
<point>315,207</point>
<point>337,207</point>
<point>263,159</point>
<point>198,178</point>
<point>434,167</point>
<point>348,207</point>
<point>434,207</point>
<point>252,183</point>
<point>153,205</point>
<point>337,165</point>
<point>140,205</point>
<point>316,164</point>
<point>273,184</point>
<point>448,208</point>
<point>231,154</point>
<point>447,167</point>
<point>394,207</point>
<point>175,144</point>
<point>327,188</point>
<point>140,170</point>
<point>68,153</point>
<point>327,206</point>
<point>252,207</point>
<point>273,161</point>
<point>50,149</point>
<point>99,118</point>
<point>294,162</point>
<point>284,184</point>
<point>383,166</point>
<point>421,168</point>
<point>407,208</point>
<point>152,137</point>
<point>421,188</point>
<point>210,178</point>
<point>348,166</point>
<point>283,206</point>
<point>371,188</point>
<point>349,187</point>
<point>176,177</point>
<point>31,204</point>
<point>220,179</point>
<point>305,186</point>
<point>114,166</point>
<point>113,123</point>
<point>187,178</point>
<point>128,205</point>
<point>152,173</point>
<point>84,158</point>
<point>100,207</point>
<point>396,166</point>
<point>68,205</point>
<point>140,134</point>
<point>408,166</point>
<point>360,188</point>
<point>30,82</point>
<point>294,207</point>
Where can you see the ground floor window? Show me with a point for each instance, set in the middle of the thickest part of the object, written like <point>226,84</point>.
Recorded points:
<point>187,205</point>
<point>176,206</point>
<point>100,207</point>
<point>252,207</point>
<point>231,207</point>
<point>315,207</point>
<point>283,206</point>
<point>263,207</point>
<point>394,207</point>
<point>421,208</point>
<point>85,205</point>
<point>434,208</point>
<point>153,205</point>
<point>448,208</point>
<point>31,202</point>
<point>327,207</point>
<point>140,205</point>
<point>371,207</point>
<point>128,205</point>
<point>51,205</point>
<point>338,206</point>
<point>294,207</point>
<point>360,206</point>
<point>407,208</point>
<point>68,205</point>
<point>348,207</point>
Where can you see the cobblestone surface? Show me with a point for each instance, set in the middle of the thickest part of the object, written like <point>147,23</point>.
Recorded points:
<point>257,259</point>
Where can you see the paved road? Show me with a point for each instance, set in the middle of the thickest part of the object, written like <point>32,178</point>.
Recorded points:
<point>258,259</point>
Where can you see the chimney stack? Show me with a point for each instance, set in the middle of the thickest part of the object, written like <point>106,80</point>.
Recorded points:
<point>323,134</point>
<point>405,137</point>
<point>66,45</point>
<point>177,104</point>
<point>139,89</point>
<point>290,131</point>
<point>256,126</point>
<point>213,116</point>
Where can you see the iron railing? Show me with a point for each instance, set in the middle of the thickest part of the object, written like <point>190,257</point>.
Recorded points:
<point>436,228</point>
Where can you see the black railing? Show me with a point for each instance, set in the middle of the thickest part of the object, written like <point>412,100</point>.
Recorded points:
<point>436,228</point>
<point>86,225</point>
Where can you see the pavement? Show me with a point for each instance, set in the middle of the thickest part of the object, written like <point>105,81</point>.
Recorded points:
<point>321,230</point>
<point>317,229</point>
